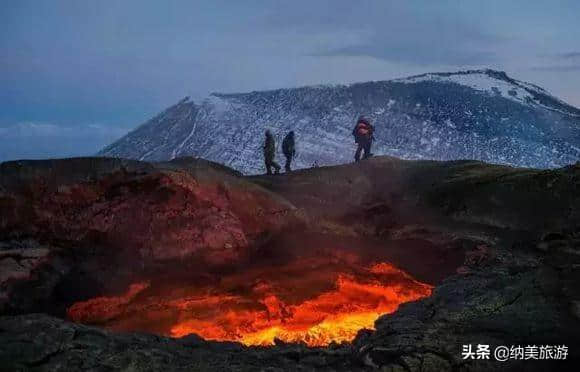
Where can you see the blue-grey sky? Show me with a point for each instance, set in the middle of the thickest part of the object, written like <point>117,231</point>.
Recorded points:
<point>75,75</point>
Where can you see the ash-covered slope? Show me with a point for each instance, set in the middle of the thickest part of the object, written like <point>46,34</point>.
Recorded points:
<point>481,114</point>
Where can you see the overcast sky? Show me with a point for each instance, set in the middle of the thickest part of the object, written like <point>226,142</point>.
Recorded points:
<point>76,75</point>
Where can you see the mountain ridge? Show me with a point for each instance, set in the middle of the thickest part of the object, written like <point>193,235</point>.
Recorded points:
<point>475,114</point>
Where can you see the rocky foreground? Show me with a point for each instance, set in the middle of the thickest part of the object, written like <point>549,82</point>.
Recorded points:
<point>501,246</point>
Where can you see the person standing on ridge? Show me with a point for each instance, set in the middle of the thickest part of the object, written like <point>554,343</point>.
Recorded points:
<point>270,153</point>
<point>363,136</point>
<point>289,149</point>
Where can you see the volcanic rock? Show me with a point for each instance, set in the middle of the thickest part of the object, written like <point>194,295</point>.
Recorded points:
<point>104,221</point>
<point>499,244</point>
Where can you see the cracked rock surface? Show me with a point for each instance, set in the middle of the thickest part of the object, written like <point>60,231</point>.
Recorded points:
<point>501,245</point>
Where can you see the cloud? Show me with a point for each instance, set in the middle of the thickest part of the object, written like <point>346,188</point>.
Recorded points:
<point>37,140</point>
<point>556,68</point>
<point>570,55</point>
<point>422,42</point>
<point>416,53</point>
<point>47,130</point>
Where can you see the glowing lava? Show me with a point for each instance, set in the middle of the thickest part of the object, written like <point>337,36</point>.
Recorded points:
<point>257,314</point>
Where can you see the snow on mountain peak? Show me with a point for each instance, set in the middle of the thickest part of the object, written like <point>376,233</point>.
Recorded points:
<point>477,114</point>
<point>497,83</point>
<point>490,81</point>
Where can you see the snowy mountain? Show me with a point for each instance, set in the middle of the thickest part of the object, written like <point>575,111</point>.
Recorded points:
<point>477,114</point>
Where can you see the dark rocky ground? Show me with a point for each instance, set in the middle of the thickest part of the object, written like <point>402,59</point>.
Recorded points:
<point>500,244</point>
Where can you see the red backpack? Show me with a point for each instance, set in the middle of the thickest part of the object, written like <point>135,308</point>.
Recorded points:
<point>363,129</point>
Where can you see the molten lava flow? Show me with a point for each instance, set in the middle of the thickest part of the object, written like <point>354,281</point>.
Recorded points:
<point>336,315</point>
<point>101,309</point>
<point>316,301</point>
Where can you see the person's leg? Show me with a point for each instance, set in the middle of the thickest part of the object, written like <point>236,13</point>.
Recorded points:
<point>367,149</point>
<point>288,161</point>
<point>276,167</point>
<point>268,167</point>
<point>358,150</point>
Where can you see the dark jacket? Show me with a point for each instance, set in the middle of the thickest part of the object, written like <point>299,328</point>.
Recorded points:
<point>269,146</point>
<point>288,145</point>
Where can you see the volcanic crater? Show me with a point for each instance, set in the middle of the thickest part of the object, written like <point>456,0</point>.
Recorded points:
<point>383,264</point>
<point>305,288</point>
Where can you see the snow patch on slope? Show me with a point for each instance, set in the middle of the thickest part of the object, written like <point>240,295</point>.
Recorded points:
<point>480,81</point>
<point>413,121</point>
